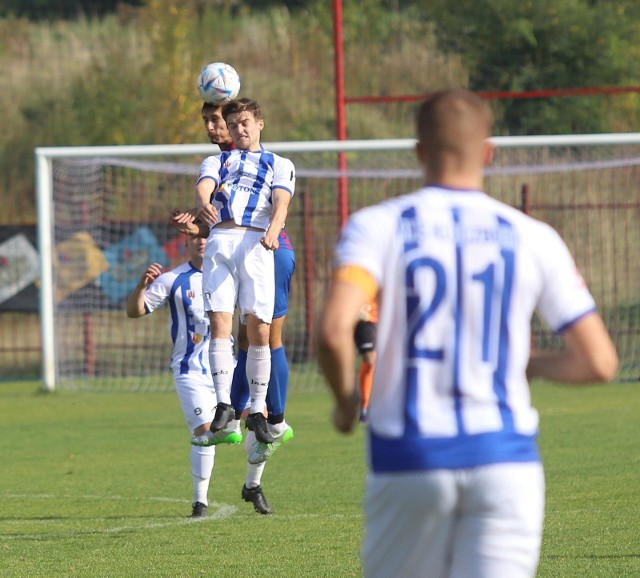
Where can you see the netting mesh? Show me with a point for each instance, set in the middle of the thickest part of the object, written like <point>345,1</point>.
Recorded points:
<point>110,223</point>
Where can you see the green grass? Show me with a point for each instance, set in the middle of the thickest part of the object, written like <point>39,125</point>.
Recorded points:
<point>98,485</point>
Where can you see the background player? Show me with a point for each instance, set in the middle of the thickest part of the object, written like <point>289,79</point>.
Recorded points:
<point>181,288</point>
<point>216,126</point>
<point>456,487</point>
<point>365,338</point>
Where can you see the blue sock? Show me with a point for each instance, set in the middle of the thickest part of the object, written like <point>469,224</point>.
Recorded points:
<point>278,384</point>
<point>239,385</point>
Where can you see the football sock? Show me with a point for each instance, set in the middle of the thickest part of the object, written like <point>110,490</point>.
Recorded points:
<point>254,471</point>
<point>258,370</point>
<point>277,428</point>
<point>221,359</point>
<point>202,459</point>
<point>239,384</point>
<point>278,382</point>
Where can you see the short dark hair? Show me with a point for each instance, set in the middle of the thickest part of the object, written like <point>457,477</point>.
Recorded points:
<point>241,105</point>
<point>209,105</point>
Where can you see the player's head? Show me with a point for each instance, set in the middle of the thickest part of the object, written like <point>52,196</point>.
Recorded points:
<point>245,122</point>
<point>215,125</point>
<point>453,127</point>
<point>195,250</point>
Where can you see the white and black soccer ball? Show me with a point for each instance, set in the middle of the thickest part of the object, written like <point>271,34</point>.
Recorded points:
<point>218,83</point>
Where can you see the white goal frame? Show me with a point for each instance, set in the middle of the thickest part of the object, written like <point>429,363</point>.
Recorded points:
<point>44,195</point>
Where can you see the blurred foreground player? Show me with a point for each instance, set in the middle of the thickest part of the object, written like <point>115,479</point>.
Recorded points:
<point>456,487</point>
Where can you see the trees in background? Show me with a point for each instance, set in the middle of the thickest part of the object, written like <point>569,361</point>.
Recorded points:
<point>515,45</point>
<point>128,77</point>
<point>56,9</point>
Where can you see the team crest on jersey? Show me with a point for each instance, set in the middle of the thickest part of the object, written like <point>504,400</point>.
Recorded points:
<point>191,294</point>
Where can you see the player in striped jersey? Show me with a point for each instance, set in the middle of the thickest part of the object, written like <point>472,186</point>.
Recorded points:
<point>243,195</point>
<point>456,487</point>
<point>284,266</point>
<point>181,290</point>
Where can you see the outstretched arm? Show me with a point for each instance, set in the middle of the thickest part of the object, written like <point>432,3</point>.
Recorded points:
<point>135,302</point>
<point>589,355</point>
<point>186,222</point>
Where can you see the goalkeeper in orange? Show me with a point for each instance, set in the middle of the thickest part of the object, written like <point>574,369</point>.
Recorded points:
<point>365,337</point>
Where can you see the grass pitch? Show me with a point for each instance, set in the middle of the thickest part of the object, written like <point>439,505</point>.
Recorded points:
<point>98,485</point>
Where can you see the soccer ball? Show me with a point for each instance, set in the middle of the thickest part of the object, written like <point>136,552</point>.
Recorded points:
<point>218,83</point>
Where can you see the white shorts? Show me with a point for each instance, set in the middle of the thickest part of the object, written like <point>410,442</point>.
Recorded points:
<point>197,399</point>
<point>237,269</point>
<point>484,522</point>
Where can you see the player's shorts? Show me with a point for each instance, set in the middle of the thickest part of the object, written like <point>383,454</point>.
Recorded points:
<point>197,398</point>
<point>484,522</point>
<point>237,269</point>
<point>285,265</point>
<point>365,336</point>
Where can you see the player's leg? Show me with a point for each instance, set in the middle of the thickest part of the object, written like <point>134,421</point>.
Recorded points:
<point>365,338</point>
<point>258,371</point>
<point>222,366</point>
<point>501,517</point>
<point>256,303</point>
<point>284,266</point>
<point>239,384</point>
<point>198,401</point>
<point>220,287</point>
<point>276,399</point>
<point>409,520</point>
<point>365,381</point>
<point>252,488</point>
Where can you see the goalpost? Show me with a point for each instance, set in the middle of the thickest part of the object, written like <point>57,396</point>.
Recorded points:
<point>102,218</point>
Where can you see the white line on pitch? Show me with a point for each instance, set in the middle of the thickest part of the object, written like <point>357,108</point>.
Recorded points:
<point>222,511</point>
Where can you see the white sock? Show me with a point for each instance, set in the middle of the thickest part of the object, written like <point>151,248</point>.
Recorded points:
<point>202,459</point>
<point>277,428</point>
<point>254,471</point>
<point>221,360</point>
<point>258,371</point>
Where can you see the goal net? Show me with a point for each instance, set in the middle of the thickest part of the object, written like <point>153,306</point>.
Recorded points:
<point>107,209</point>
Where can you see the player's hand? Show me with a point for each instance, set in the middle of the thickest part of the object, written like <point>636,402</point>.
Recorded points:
<point>208,214</point>
<point>270,241</point>
<point>179,216</point>
<point>151,274</point>
<point>345,414</point>
<point>182,221</point>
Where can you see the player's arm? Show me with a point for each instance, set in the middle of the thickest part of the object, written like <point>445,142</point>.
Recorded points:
<point>589,355</point>
<point>135,302</point>
<point>206,212</point>
<point>280,199</point>
<point>187,223</point>
<point>350,289</point>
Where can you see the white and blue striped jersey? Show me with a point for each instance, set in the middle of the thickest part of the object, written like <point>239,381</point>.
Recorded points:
<point>461,275</point>
<point>181,290</point>
<point>244,183</point>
